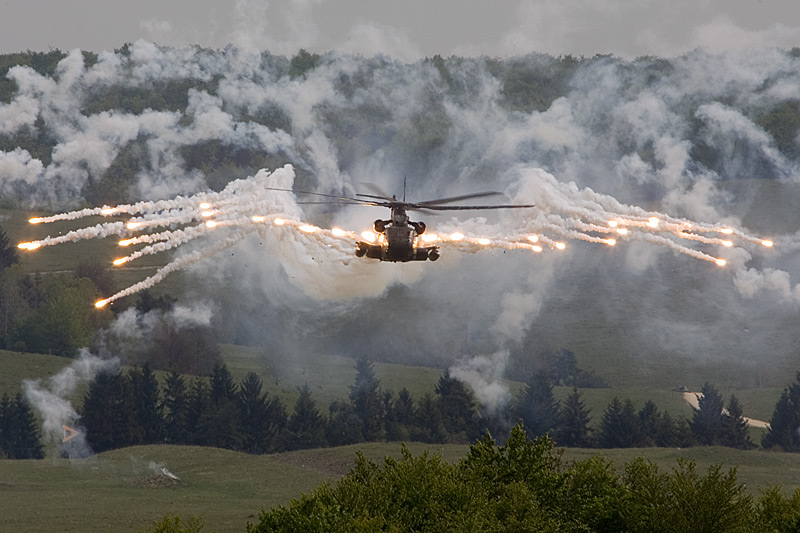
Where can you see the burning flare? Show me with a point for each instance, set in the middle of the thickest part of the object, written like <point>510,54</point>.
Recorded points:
<point>249,205</point>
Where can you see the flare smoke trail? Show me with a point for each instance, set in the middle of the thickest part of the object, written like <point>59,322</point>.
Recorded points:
<point>51,401</point>
<point>563,212</point>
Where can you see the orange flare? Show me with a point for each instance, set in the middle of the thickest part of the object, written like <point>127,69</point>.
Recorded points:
<point>768,244</point>
<point>484,241</point>
<point>721,262</point>
<point>337,232</point>
<point>560,245</point>
<point>279,222</point>
<point>611,242</point>
<point>119,261</point>
<point>307,228</point>
<point>100,303</point>
<point>35,220</point>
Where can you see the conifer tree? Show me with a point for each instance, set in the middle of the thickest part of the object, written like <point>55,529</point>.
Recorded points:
<point>8,252</point>
<point>175,407</point>
<point>651,424</point>
<point>367,403</point>
<point>428,422</point>
<point>344,426</point>
<point>198,413</point>
<point>706,423</point>
<point>734,427</point>
<point>573,422</point>
<point>260,418</point>
<point>26,437</point>
<point>785,420</point>
<point>306,426</point>
<point>148,415</point>
<point>536,406</point>
<point>620,426</point>
<point>458,409</point>
<point>400,417</point>
<point>108,412</point>
<point>6,425</point>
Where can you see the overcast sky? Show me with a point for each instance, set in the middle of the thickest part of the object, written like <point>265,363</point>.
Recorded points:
<point>406,29</point>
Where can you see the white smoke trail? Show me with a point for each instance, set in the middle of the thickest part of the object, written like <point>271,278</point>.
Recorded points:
<point>52,401</point>
<point>563,212</point>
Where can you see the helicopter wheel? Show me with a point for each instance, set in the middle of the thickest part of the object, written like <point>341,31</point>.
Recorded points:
<point>433,255</point>
<point>419,227</point>
<point>379,226</point>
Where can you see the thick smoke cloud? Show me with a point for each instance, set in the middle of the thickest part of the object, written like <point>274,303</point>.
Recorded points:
<point>687,136</point>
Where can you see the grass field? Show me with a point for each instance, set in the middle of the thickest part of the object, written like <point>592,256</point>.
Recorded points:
<point>124,490</point>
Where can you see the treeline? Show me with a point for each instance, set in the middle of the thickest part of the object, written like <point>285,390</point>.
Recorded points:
<point>128,408</point>
<point>124,409</point>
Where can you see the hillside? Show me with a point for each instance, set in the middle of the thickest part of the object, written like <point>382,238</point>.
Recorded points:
<point>126,490</point>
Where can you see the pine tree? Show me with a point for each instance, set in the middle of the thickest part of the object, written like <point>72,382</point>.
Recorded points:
<point>260,418</point>
<point>175,407</point>
<point>620,426</point>
<point>428,422</point>
<point>6,425</point>
<point>26,441</point>
<point>651,423</point>
<point>400,417</point>
<point>306,426</point>
<point>537,407</point>
<point>734,427</point>
<point>198,413</point>
<point>344,426</point>
<point>785,420</point>
<point>222,386</point>
<point>108,412</point>
<point>458,409</point>
<point>706,423</point>
<point>365,396</point>
<point>8,252</point>
<point>573,422</point>
<point>148,414</point>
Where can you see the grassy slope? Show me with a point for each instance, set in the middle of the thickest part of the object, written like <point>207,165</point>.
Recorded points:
<point>116,491</point>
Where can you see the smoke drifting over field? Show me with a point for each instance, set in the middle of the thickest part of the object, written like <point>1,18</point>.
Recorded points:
<point>52,401</point>
<point>702,137</point>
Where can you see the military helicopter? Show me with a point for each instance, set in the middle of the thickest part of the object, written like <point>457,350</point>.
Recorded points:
<point>398,237</point>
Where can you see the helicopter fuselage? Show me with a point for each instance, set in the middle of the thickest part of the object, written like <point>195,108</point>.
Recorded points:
<point>397,240</point>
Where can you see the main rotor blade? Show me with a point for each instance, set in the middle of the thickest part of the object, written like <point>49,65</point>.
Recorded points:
<point>379,198</point>
<point>458,198</point>
<point>465,207</point>
<point>376,191</point>
<point>347,198</point>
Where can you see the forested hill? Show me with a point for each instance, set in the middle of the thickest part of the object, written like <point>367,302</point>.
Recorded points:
<point>711,137</point>
<point>81,127</point>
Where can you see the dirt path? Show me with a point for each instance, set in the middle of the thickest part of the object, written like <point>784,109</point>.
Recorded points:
<point>692,398</point>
